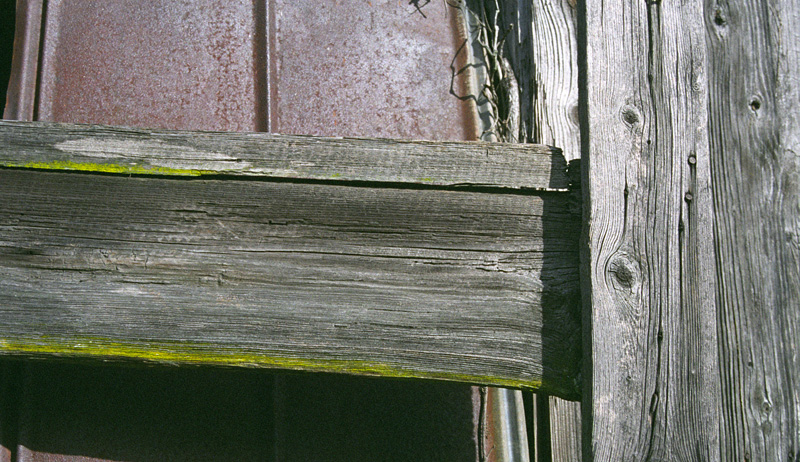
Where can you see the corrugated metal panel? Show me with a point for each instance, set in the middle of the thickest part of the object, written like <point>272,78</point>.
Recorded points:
<point>372,68</point>
<point>25,61</point>
<point>7,20</point>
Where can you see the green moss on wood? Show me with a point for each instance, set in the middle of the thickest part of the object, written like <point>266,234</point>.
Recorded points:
<point>207,354</point>
<point>112,168</point>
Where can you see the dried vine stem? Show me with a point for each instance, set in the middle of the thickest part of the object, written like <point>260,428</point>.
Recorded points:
<point>499,92</point>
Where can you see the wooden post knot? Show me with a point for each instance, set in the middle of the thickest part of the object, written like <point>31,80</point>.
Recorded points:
<point>630,115</point>
<point>624,270</point>
<point>720,18</point>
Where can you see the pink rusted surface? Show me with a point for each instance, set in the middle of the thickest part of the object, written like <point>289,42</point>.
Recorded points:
<point>371,68</point>
<point>166,64</point>
<point>366,68</point>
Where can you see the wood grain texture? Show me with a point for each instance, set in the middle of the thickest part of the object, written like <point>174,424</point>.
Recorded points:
<point>565,430</point>
<point>553,29</point>
<point>382,281</point>
<point>126,150</point>
<point>555,104</point>
<point>542,49</point>
<point>652,386</point>
<point>754,54</point>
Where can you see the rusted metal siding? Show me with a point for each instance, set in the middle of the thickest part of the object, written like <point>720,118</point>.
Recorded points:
<point>374,68</point>
<point>367,68</point>
<point>165,64</point>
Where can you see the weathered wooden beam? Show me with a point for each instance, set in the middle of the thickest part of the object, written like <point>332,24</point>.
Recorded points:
<point>652,383</point>
<point>97,148</point>
<point>394,279</point>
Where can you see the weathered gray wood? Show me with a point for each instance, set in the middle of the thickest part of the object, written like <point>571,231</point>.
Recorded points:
<point>754,53</point>
<point>383,281</point>
<point>496,101</point>
<point>652,383</point>
<point>542,49</point>
<point>137,151</point>
<point>555,76</point>
<point>565,430</point>
<point>555,121</point>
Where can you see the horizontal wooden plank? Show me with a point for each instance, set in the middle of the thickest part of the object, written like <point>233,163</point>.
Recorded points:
<point>451,284</point>
<point>126,150</point>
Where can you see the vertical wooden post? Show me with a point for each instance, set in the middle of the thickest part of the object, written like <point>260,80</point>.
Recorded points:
<point>651,380</point>
<point>555,122</point>
<point>754,92</point>
<point>542,48</point>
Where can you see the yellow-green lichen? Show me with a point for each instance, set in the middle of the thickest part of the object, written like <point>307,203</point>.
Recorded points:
<point>132,169</point>
<point>198,353</point>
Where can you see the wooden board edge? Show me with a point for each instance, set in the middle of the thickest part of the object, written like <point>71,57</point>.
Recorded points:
<point>132,151</point>
<point>192,353</point>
